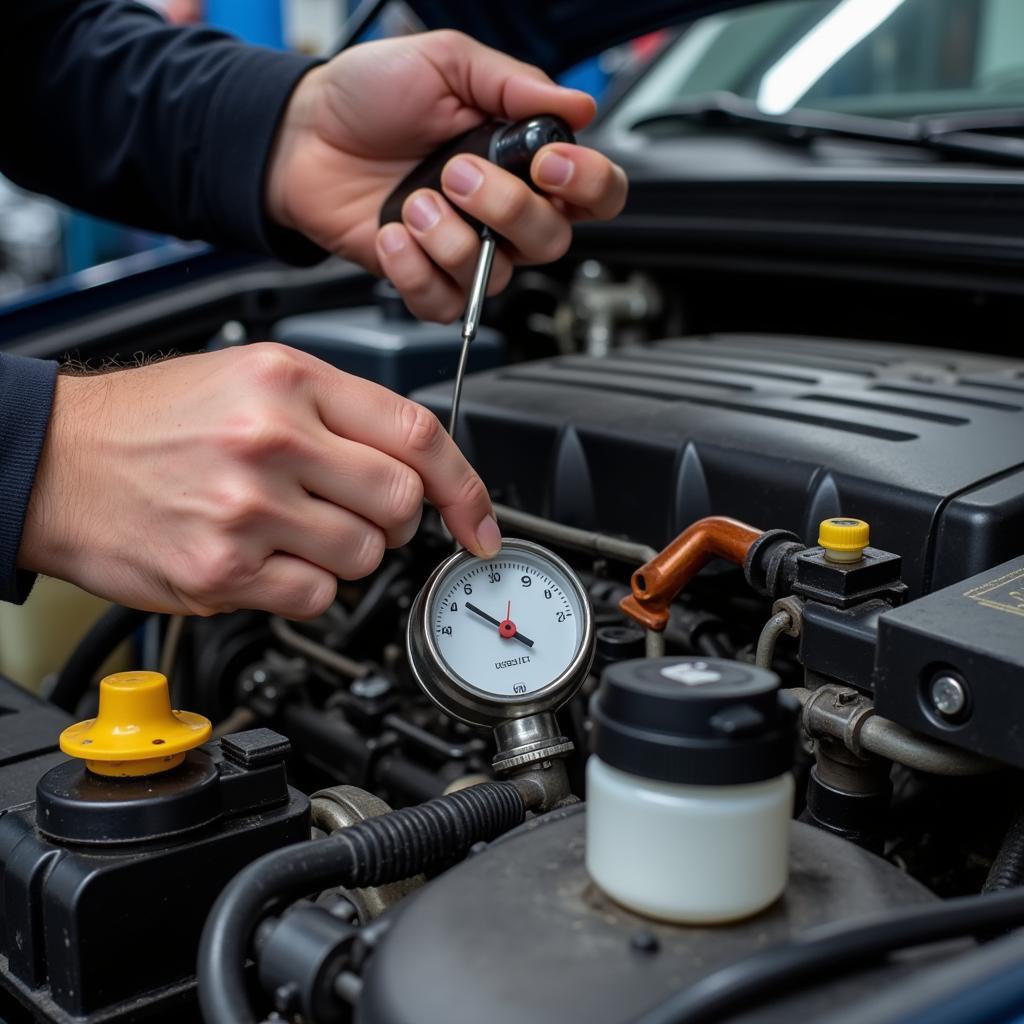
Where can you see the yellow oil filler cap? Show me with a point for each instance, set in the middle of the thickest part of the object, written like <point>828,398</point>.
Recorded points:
<point>843,539</point>
<point>135,732</point>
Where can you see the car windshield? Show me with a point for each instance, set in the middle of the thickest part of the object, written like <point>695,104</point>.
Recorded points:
<point>886,58</point>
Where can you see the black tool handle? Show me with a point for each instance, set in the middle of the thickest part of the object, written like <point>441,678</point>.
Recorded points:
<point>510,145</point>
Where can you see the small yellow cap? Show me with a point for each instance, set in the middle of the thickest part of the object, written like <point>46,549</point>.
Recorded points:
<point>135,732</point>
<point>843,539</point>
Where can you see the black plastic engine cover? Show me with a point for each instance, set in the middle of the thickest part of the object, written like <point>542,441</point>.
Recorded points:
<point>29,728</point>
<point>925,444</point>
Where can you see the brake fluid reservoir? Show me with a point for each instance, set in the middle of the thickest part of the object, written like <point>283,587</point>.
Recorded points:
<point>689,789</point>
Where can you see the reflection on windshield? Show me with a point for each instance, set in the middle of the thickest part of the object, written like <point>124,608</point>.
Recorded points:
<point>788,80</point>
<point>887,58</point>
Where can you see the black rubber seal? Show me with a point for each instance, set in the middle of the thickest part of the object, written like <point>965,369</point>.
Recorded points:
<point>695,721</point>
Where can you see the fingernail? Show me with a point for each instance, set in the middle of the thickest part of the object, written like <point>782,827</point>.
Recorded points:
<point>462,178</point>
<point>423,213</point>
<point>554,169</point>
<point>488,537</point>
<point>392,238</point>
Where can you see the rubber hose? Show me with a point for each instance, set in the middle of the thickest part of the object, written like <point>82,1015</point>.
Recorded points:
<point>113,627</point>
<point>372,599</point>
<point>831,951</point>
<point>1007,871</point>
<point>711,646</point>
<point>387,848</point>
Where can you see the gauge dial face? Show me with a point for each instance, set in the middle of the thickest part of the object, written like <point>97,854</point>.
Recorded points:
<point>508,627</point>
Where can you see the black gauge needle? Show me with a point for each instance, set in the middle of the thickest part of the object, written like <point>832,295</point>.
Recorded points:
<point>508,635</point>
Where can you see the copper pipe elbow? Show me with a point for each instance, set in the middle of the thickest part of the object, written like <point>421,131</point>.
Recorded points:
<point>656,584</point>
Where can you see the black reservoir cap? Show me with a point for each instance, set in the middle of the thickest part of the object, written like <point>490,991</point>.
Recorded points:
<point>695,721</point>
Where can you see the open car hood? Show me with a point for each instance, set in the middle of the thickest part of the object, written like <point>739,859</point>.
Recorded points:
<point>555,34</point>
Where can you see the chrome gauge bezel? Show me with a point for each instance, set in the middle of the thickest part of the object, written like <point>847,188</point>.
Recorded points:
<point>460,698</point>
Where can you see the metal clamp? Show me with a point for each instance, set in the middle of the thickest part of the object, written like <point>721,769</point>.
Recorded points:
<point>838,712</point>
<point>528,741</point>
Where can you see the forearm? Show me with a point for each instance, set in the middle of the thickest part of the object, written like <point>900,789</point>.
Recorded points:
<point>117,113</point>
<point>26,397</point>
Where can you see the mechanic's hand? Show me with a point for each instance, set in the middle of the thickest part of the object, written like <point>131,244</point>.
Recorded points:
<point>356,126</point>
<point>246,478</point>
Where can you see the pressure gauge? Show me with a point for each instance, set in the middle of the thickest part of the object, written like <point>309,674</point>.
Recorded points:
<point>491,640</point>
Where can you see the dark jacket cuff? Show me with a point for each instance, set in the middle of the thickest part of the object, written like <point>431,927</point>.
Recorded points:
<point>26,396</point>
<point>254,92</point>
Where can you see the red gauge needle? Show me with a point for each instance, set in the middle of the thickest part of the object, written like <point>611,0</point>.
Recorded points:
<point>506,629</point>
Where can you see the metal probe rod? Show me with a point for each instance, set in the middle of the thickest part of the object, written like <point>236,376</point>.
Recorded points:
<point>471,321</point>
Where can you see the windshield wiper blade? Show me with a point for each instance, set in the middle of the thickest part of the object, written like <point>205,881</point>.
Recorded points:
<point>945,134</point>
<point>964,133</point>
<point>726,108</point>
<point>986,119</point>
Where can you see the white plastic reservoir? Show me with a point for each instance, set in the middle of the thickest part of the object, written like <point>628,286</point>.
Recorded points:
<point>689,789</point>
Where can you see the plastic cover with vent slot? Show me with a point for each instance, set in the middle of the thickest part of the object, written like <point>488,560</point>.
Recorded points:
<point>925,444</point>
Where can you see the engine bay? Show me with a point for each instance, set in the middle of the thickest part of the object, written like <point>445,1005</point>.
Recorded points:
<point>731,559</point>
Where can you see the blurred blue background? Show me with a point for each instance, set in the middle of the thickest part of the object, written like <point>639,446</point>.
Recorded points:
<point>40,240</point>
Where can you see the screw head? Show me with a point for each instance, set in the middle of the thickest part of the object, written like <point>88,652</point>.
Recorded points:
<point>948,696</point>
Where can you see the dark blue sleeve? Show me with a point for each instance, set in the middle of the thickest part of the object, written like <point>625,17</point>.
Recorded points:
<point>26,394</point>
<point>111,110</point>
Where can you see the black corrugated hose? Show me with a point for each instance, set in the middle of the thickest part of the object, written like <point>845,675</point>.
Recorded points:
<point>832,950</point>
<point>384,849</point>
<point>113,627</point>
<point>1007,871</point>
